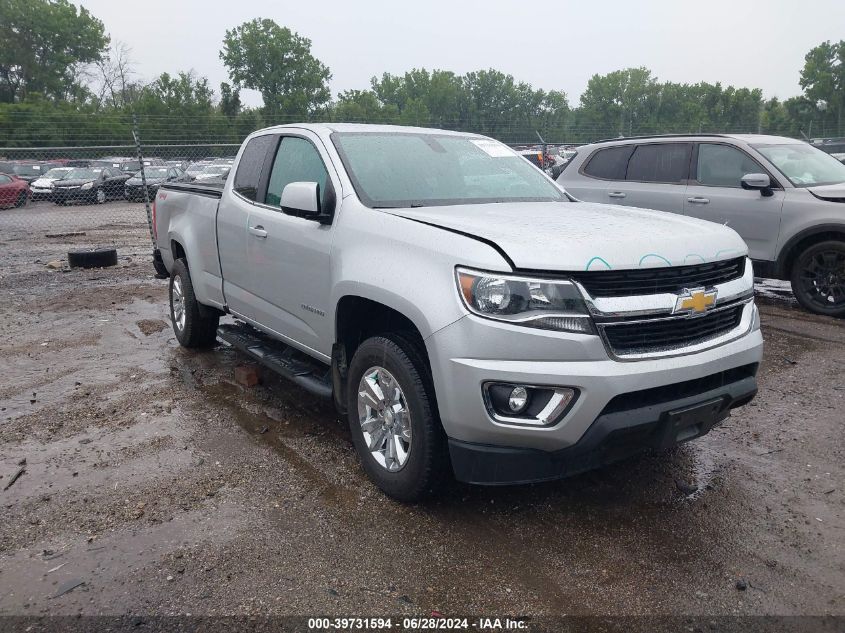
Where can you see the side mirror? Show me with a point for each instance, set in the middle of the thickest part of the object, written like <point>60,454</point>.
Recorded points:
<point>758,182</point>
<point>302,199</point>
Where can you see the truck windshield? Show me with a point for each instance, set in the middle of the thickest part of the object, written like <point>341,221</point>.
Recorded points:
<point>805,166</point>
<point>399,169</point>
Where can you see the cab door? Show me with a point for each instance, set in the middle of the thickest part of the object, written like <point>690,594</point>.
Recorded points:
<point>232,220</point>
<point>714,193</point>
<point>290,257</point>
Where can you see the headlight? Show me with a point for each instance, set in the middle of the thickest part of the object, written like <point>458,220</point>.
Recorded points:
<point>87,185</point>
<point>547,304</point>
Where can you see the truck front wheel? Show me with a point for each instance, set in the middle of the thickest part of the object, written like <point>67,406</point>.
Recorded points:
<point>194,324</point>
<point>393,418</point>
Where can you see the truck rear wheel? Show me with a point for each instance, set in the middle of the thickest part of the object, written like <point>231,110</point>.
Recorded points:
<point>194,324</point>
<point>393,418</point>
<point>818,278</point>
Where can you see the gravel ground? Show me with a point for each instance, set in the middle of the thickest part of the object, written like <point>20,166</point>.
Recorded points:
<point>154,484</point>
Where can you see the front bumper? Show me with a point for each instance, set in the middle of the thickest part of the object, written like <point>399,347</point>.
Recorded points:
<point>472,351</point>
<point>653,418</point>
<point>41,194</point>
<point>77,194</point>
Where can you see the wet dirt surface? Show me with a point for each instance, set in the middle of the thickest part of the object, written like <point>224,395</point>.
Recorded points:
<point>152,483</point>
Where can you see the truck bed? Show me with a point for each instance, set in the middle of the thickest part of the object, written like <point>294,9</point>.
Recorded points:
<point>213,189</point>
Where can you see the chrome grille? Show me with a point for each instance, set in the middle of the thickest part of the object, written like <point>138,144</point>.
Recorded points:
<point>639,337</point>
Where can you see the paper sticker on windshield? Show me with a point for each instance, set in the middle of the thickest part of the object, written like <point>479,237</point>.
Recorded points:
<point>492,148</point>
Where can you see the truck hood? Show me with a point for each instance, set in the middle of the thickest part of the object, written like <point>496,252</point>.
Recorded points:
<point>831,193</point>
<point>576,236</point>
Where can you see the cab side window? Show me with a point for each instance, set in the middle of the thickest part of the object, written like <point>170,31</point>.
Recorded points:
<point>297,160</point>
<point>724,166</point>
<point>250,166</point>
<point>660,162</point>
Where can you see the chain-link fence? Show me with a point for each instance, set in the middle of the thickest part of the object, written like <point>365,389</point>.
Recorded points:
<point>89,187</point>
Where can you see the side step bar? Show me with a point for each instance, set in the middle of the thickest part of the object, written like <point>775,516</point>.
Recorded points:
<point>292,364</point>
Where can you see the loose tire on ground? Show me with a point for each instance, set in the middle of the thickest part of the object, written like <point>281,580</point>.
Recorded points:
<point>99,258</point>
<point>194,324</point>
<point>818,278</point>
<point>427,463</point>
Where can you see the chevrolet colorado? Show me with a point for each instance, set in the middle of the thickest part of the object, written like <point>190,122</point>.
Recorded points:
<point>468,316</point>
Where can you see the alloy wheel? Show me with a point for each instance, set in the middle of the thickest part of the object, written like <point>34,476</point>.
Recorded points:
<point>177,300</point>
<point>822,278</point>
<point>385,419</point>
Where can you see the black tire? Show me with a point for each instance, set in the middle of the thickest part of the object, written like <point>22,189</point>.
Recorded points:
<point>96,199</point>
<point>199,327</point>
<point>160,268</point>
<point>99,258</point>
<point>818,278</point>
<point>427,466</point>
<point>21,201</point>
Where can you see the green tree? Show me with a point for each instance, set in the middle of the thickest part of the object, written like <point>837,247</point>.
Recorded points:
<point>823,81</point>
<point>43,46</point>
<point>230,100</point>
<point>277,62</point>
<point>363,106</point>
<point>179,108</point>
<point>620,103</point>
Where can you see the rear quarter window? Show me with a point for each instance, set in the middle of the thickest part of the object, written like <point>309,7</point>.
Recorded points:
<point>251,166</point>
<point>609,163</point>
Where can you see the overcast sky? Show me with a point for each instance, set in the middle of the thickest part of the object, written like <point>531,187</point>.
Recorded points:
<point>552,45</point>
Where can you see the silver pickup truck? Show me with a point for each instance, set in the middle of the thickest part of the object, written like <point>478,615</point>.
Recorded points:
<point>468,316</point>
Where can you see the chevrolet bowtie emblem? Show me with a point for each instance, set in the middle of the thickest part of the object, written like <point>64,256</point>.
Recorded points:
<point>695,301</point>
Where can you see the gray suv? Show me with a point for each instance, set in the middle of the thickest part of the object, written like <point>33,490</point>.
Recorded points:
<point>785,198</point>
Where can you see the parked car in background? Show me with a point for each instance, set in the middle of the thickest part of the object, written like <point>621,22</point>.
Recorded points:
<point>464,313</point>
<point>42,187</point>
<point>785,198</point>
<point>829,145</point>
<point>155,176</point>
<point>194,169</point>
<point>90,185</point>
<point>216,171</point>
<point>27,170</point>
<point>132,166</point>
<point>14,191</point>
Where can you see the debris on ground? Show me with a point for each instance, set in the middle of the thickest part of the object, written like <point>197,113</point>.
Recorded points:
<point>247,375</point>
<point>20,471</point>
<point>69,586</point>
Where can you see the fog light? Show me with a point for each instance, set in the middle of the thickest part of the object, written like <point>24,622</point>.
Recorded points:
<point>518,399</point>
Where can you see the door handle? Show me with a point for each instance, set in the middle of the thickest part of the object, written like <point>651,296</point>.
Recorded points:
<point>698,200</point>
<point>258,231</point>
<point>615,194</point>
